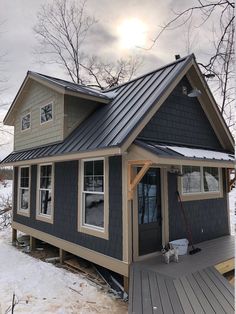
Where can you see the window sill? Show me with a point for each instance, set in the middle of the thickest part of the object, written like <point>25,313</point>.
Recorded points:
<point>25,213</point>
<point>45,218</point>
<point>200,196</point>
<point>94,232</point>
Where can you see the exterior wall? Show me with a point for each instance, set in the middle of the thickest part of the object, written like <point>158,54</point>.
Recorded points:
<point>76,110</point>
<point>66,208</point>
<point>37,95</point>
<point>208,219</point>
<point>181,120</point>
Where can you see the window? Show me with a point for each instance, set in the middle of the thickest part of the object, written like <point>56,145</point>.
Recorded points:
<point>45,190</point>
<point>197,179</point>
<point>93,193</point>
<point>25,122</point>
<point>191,179</point>
<point>24,190</point>
<point>46,113</point>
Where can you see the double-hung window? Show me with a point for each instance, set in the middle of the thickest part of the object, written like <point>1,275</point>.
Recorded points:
<point>24,190</point>
<point>45,190</point>
<point>201,181</point>
<point>93,197</point>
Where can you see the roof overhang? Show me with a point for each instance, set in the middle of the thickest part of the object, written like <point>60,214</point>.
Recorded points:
<point>165,155</point>
<point>22,160</point>
<point>31,76</point>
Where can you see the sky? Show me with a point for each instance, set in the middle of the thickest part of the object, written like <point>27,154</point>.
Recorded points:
<point>108,39</point>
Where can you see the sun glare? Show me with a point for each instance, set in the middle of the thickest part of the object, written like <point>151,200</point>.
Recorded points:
<point>132,33</point>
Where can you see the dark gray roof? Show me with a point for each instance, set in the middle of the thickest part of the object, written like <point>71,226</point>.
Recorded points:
<point>70,85</point>
<point>110,125</point>
<point>183,152</point>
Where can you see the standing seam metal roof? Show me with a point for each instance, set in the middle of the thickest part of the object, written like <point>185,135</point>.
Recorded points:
<point>111,124</point>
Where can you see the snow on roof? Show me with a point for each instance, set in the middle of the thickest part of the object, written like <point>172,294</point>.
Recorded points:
<point>201,153</point>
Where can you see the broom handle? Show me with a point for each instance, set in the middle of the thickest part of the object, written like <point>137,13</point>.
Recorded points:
<point>185,220</point>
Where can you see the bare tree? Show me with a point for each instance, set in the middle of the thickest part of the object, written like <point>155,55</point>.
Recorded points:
<point>106,74</point>
<point>62,28</point>
<point>220,63</point>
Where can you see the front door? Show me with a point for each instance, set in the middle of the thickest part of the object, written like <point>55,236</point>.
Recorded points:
<point>149,212</point>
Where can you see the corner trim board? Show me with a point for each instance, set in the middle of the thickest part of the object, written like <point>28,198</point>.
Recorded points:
<point>113,264</point>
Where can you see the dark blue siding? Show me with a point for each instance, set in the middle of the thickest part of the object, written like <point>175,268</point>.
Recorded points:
<point>208,219</point>
<point>66,208</point>
<point>181,120</point>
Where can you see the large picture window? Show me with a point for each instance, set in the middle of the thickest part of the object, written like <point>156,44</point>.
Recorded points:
<point>45,189</point>
<point>93,193</point>
<point>46,113</point>
<point>24,189</point>
<point>197,179</point>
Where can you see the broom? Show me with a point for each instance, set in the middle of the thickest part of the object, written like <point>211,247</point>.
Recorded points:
<point>190,238</point>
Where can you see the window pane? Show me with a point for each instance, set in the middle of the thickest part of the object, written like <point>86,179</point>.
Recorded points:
<point>211,179</point>
<point>191,179</point>
<point>25,122</point>
<point>94,209</point>
<point>98,183</point>
<point>88,183</point>
<point>24,199</point>
<point>45,183</point>
<point>46,177</point>
<point>24,177</point>
<point>88,168</point>
<point>46,113</point>
<point>45,202</point>
<point>98,167</point>
<point>46,171</point>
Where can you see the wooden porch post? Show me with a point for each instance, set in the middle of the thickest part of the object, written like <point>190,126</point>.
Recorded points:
<point>14,236</point>
<point>32,243</point>
<point>62,255</point>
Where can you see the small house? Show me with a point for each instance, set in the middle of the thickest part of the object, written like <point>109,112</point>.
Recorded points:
<point>96,173</point>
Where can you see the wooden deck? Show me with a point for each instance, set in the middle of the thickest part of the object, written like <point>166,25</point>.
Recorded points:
<point>191,286</point>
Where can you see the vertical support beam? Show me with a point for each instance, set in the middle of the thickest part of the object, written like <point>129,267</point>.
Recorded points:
<point>14,236</point>
<point>32,243</point>
<point>62,255</point>
<point>126,284</point>
<point>164,206</point>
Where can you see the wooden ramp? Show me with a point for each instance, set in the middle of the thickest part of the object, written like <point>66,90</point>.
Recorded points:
<point>204,291</point>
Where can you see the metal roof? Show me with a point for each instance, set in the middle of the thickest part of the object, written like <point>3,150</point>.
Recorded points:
<point>180,152</point>
<point>110,125</point>
<point>74,87</point>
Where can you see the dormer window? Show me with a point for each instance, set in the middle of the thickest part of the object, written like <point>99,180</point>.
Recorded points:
<point>25,122</point>
<point>46,113</point>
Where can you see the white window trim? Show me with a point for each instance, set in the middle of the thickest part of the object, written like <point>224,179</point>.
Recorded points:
<point>86,228</point>
<point>20,211</point>
<point>40,216</point>
<point>49,121</point>
<point>203,194</point>
<point>22,116</point>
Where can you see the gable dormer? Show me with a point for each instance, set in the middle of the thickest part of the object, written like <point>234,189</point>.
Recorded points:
<point>46,110</point>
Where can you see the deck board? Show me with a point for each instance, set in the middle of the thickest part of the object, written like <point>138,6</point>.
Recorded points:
<point>158,288</point>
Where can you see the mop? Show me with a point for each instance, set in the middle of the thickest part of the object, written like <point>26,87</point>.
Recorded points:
<point>193,250</point>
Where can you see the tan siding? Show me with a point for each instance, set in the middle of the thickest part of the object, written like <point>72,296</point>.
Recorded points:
<point>76,110</point>
<point>37,95</point>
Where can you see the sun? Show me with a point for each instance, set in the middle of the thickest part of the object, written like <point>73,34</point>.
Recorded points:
<point>132,33</point>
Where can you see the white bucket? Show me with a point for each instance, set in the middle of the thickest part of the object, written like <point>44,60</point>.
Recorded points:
<point>181,245</point>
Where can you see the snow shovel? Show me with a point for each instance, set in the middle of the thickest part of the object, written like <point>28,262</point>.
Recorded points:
<point>190,238</point>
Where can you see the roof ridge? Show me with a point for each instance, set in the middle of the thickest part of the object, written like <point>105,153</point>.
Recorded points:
<point>190,56</point>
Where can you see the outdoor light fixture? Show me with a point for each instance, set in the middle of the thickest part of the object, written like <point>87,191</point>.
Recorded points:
<point>176,171</point>
<point>193,93</point>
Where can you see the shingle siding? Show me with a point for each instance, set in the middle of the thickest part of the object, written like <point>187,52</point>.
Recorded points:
<point>181,120</point>
<point>208,219</point>
<point>66,208</point>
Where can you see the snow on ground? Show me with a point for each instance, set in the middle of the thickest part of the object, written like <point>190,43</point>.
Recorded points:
<point>44,288</point>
